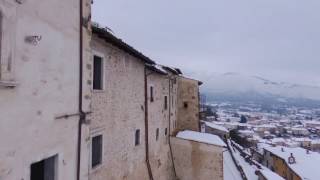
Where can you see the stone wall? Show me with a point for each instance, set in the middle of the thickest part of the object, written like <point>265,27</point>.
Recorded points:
<point>118,111</point>
<point>159,150</point>
<point>188,104</point>
<point>194,160</point>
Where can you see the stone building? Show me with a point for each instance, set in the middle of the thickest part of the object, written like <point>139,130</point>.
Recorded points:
<point>133,95</point>
<point>83,104</point>
<point>161,161</point>
<point>188,104</point>
<point>292,163</point>
<point>118,106</point>
<point>41,102</point>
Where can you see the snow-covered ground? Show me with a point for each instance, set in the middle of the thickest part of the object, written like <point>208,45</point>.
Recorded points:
<point>230,171</point>
<point>250,169</point>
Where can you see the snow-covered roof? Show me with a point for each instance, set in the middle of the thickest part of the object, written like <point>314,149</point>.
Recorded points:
<point>277,140</point>
<point>230,171</point>
<point>266,126</point>
<point>269,175</point>
<point>316,141</point>
<point>215,126</point>
<point>201,137</point>
<point>306,165</point>
<point>248,132</point>
<point>301,139</point>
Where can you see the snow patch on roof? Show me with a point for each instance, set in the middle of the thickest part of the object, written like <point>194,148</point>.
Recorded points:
<point>215,126</point>
<point>270,175</point>
<point>201,137</point>
<point>306,165</point>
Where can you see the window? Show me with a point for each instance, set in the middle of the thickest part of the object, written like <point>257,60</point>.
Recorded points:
<point>137,137</point>
<point>165,102</point>
<point>157,134</point>
<point>97,73</point>
<point>166,132</point>
<point>185,105</point>
<point>96,157</point>
<point>44,170</point>
<point>151,94</point>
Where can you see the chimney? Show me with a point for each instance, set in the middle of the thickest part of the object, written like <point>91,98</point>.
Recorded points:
<point>291,159</point>
<point>282,149</point>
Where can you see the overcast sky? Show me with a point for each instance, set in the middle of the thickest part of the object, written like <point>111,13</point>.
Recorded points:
<point>275,39</point>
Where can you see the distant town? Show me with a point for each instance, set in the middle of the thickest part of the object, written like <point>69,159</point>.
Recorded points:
<point>284,139</point>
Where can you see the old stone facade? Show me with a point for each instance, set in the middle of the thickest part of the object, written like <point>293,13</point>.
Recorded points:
<point>39,89</point>
<point>118,112</point>
<point>158,112</point>
<point>195,160</point>
<point>83,104</point>
<point>188,104</point>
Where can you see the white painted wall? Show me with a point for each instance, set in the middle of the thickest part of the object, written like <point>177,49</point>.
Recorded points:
<point>47,75</point>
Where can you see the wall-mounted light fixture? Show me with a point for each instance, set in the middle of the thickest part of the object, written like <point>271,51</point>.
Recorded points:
<point>34,40</point>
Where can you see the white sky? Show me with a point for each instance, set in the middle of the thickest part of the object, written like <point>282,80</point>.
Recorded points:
<point>275,39</point>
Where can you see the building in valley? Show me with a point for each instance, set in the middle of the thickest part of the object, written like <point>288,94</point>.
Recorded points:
<point>41,102</point>
<point>292,163</point>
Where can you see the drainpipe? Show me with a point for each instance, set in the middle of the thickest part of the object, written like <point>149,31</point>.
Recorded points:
<point>173,165</point>
<point>146,122</point>
<point>82,115</point>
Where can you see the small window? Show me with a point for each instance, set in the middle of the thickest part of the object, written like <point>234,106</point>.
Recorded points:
<point>137,137</point>
<point>97,73</point>
<point>185,105</point>
<point>166,132</point>
<point>157,134</point>
<point>151,94</point>
<point>165,102</point>
<point>44,170</point>
<point>96,151</point>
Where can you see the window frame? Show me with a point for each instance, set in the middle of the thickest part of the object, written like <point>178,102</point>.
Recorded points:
<point>137,141</point>
<point>151,91</point>
<point>103,71</point>
<point>53,159</point>
<point>165,102</point>
<point>157,134</point>
<point>97,166</point>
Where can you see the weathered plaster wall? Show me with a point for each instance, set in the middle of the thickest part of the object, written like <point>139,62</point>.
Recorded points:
<point>173,103</point>
<point>194,160</point>
<point>159,152</point>
<point>118,111</point>
<point>188,104</point>
<point>47,75</point>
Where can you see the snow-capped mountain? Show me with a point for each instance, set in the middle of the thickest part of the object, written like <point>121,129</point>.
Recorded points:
<point>239,86</point>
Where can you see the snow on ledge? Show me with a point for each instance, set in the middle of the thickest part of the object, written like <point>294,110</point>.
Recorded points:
<point>201,137</point>
<point>215,126</point>
<point>268,174</point>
